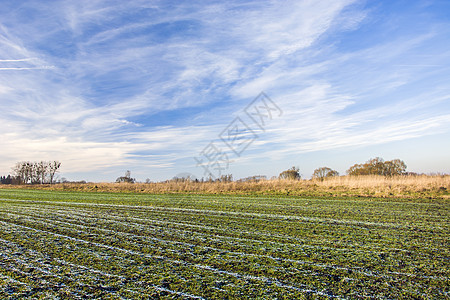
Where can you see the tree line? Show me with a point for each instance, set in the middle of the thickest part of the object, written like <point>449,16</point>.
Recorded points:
<point>44,172</point>
<point>8,180</point>
<point>374,166</point>
<point>27,172</point>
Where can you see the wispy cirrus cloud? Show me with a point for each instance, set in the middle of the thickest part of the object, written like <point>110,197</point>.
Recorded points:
<point>106,85</point>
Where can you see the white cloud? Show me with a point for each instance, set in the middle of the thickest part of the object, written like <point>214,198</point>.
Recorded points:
<point>87,83</point>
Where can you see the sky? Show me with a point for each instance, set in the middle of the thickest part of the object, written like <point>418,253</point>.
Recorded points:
<point>163,88</point>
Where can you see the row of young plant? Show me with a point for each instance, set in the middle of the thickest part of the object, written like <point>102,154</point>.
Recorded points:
<point>215,221</point>
<point>252,249</point>
<point>409,213</point>
<point>244,227</point>
<point>432,233</point>
<point>141,268</point>
<point>240,249</point>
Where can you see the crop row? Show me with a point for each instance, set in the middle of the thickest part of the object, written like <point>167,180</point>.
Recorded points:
<point>144,249</point>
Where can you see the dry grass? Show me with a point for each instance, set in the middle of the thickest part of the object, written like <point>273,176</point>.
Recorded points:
<point>437,186</point>
<point>431,187</point>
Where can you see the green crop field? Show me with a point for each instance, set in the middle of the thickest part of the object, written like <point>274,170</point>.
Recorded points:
<point>73,245</point>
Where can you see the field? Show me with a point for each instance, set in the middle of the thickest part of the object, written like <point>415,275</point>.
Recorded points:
<point>75,245</point>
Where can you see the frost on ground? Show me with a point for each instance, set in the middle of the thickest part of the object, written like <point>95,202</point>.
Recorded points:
<point>85,245</point>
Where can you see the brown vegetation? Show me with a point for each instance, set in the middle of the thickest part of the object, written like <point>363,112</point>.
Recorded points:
<point>431,187</point>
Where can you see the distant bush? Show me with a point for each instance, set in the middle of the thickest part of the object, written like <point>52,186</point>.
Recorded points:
<point>127,178</point>
<point>255,178</point>
<point>378,166</point>
<point>324,172</point>
<point>8,179</point>
<point>291,174</point>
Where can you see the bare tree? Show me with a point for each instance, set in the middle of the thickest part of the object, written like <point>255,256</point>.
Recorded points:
<point>19,172</point>
<point>226,178</point>
<point>28,166</point>
<point>323,172</point>
<point>24,171</point>
<point>53,168</point>
<point>42,168</point>
<point>36,172</point>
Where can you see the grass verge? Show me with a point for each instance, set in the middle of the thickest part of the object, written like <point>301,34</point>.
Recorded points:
<point>411,187</point>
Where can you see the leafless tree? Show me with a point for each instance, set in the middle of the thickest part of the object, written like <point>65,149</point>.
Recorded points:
<point>42,171</point>
<point>323,172</point>
<point>36,172</point>
<point>53,168</point>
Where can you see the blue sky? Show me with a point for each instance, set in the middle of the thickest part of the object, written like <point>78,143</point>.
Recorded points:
<point>149,86</point>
